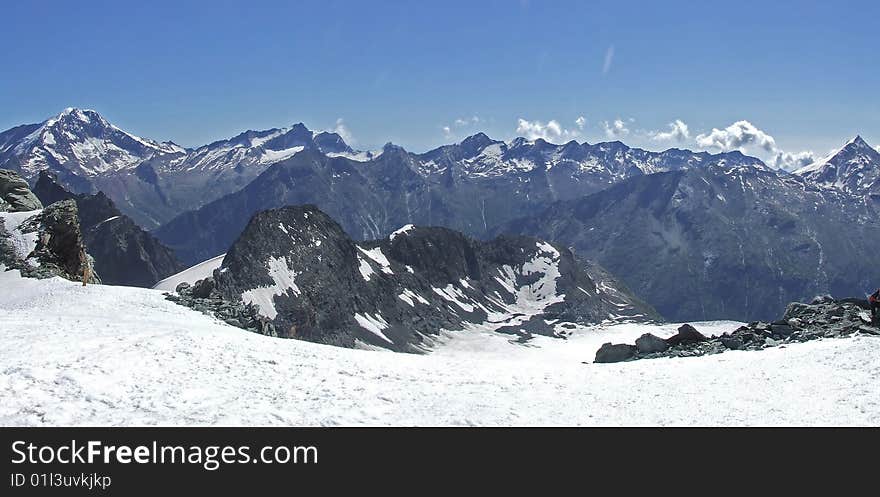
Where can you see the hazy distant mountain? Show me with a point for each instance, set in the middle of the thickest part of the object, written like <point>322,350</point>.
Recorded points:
<point>722,241</point>
<point>154,182</point>
<point>472,186</point>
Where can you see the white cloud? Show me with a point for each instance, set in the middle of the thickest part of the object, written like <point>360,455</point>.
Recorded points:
<point>748,138</point>
<point>609,58</point>
<point>792,162</point>
<point>616,129</point>
<point>469,121</point>
<point>551,131</point>
<point>342,130</point>
<point>581,121</point>
<point>741,135</point>
<point>678,132</point>
<point>450,131</point>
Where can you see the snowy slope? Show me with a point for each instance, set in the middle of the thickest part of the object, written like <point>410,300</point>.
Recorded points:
<point>191,275</point>
<point>94,355</point>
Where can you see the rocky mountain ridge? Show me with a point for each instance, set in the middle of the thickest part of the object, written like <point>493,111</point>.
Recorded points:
<point>309,280</point>
<point>730,242</point>
<point>153,182</point>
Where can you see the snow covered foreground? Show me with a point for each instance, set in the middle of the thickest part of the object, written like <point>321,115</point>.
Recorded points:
<point>101,355</point>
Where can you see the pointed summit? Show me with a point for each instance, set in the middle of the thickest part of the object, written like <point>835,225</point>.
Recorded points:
<point>854,168</point>
<point>473,144</point>
<point>79,142</point>
<point>857,142</point>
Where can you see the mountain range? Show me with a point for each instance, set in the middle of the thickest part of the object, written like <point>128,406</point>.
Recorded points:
<point>153,182</point>
<point>721,242</point>
<point>698,235</point>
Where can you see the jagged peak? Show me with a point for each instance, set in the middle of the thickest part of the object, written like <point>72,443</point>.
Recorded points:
<point>477,138</point>
<point>391,147</point>
<point>857,141</point>
<point>856,145</point>
<point>520,141</point>
<point>75,114</point>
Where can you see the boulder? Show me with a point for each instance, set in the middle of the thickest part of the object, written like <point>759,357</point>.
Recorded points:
<point>182,287</point>
<point>687,334</point>
<point>16,194</point>
<point>620,352</point>
<point>732,343</point>
<point>203,288</point>
<point>649,344</point>
<point>781,330</point>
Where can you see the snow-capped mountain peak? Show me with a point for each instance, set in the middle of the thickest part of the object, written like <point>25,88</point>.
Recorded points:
<point>257,149</point>
<point>854,168</point>
<point>79,141</point>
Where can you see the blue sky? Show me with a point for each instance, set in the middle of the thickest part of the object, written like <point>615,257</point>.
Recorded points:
<point>803,74</point>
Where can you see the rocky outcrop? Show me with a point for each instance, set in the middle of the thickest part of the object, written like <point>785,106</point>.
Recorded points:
<point>15,196</point>
<point>202,298</point>
<point>57,250</point>
<point>310,280</point>
<point>124,253</point>
<point>824,317</point>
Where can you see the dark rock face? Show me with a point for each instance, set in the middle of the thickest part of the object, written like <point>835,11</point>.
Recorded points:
<point>15,196</point>
<point>59,249</point>
<point>720,242</point>
<point>825,318</point>
<point>615,353</point>
<point>311,281</point>
<point>124,253</point>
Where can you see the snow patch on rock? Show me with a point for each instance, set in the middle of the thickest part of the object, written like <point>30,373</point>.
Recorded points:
<point>264,297</point>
